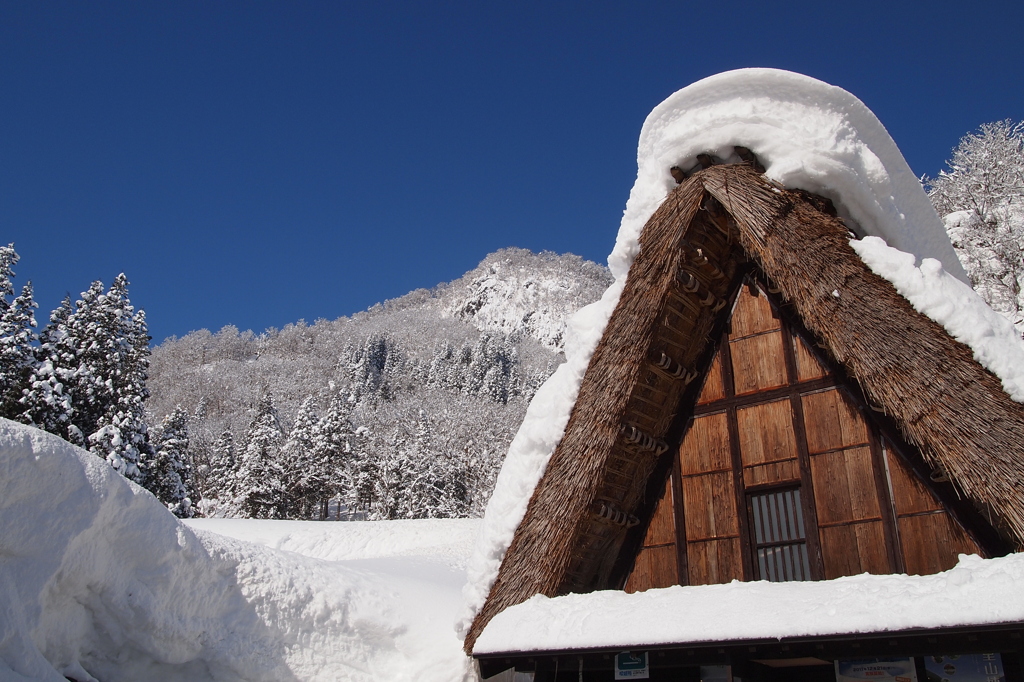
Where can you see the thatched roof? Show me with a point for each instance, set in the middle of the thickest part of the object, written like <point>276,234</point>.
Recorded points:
<point>635,389</point>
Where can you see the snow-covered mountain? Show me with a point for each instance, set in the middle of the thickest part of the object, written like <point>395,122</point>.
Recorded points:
<point>516,292</point>
<point>438,375</point>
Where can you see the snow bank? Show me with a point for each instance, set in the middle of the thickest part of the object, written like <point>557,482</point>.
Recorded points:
<point>98,580</point>
<point>975,592</point>
<point>808,135</point>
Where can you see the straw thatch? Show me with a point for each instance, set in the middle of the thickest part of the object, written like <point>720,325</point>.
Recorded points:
<point>948,406</point>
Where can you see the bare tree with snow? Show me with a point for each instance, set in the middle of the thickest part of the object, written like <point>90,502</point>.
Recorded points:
<point>981,197</point>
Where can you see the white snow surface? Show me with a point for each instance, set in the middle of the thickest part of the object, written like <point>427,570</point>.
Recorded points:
<point>808,135</point>
<point>974,592</point>
<point>99,581</point>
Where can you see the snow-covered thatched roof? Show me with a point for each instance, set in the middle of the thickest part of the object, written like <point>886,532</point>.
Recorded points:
<point>848,292</point>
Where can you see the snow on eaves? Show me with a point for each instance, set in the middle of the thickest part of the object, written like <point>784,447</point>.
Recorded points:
<point>808,135</point>
<point>975,592</point>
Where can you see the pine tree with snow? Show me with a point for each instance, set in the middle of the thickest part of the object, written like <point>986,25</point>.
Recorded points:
<point>261,489</point>
<point>442,363</point>
<point>330,472</point>
<point>297,461</point>
<point>219,485</point>
<point>8,259</point>
<point>46,402</point>
<point>360,479</point>
<point>981,197</point>
<point>222,477</point>
<point>17,351</point>
<point>84,351</point>
<point>115,366</point>
<point>439,485</point>
<point>168,473</point>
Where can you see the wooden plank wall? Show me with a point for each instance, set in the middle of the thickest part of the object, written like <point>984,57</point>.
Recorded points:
<point>770,414</point>
<point>655,565</point>
<point>710,515</point>
<point>930,539</point>
<point>846,494</point>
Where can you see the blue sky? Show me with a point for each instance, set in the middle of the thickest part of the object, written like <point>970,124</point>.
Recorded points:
<point>254,163</point>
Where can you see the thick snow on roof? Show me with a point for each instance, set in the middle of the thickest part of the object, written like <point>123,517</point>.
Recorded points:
<point>99,580</point>
<point>808,135</point>
<point>975,592</point>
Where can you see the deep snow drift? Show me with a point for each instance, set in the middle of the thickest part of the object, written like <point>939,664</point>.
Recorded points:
<point>974,592</point>
<point>808,135</point>
<point>98,580</point>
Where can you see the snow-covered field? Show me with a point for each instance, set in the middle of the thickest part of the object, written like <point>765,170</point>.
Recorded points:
<point>99,582</point>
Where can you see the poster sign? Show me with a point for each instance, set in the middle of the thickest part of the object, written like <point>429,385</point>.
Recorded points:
<point>965,668</point>
<point>716,673</point>
<point>631,666</point>
<point>876,670</point>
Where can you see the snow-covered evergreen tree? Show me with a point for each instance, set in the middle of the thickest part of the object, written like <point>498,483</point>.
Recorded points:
<point>297,461</point>
<point>114,369</point>
<point>223,466</point>
<point>359,482</point>
<point>219,485</point>
<point>84,354</point>
<point>331,468</point>
<point>46,402</point>
<point>261,490</point>
<point>17,351</point>
<point>169,473</point>
<point>8,259</point>
<point>981,197</point>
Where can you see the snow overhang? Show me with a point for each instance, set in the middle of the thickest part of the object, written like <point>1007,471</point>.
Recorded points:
<point>975,594</point>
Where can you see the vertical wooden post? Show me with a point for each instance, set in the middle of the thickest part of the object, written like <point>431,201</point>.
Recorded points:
<point>804,458</point>
<point>746,552</point>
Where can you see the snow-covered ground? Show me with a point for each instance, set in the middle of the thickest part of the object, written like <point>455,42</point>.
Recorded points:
<point>974,592</point>
<point>99,582</point>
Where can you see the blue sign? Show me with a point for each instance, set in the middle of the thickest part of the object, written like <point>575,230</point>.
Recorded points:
<point>630,666</point>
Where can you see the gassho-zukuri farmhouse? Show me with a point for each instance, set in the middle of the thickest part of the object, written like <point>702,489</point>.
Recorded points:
<point>787,443</point>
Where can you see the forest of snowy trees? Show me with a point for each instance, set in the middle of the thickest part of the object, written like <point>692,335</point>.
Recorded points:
<point>401,411</point>
<point>83,378</point>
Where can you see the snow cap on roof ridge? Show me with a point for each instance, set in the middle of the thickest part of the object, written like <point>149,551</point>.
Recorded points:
<point>809,135</point>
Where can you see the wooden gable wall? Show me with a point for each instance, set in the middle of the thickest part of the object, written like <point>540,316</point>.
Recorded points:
<point>773,422</point>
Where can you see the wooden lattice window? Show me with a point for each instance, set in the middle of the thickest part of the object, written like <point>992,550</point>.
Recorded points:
<point>780,541</point>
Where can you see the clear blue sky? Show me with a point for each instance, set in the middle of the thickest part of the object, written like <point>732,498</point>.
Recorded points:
<point>254,163</point>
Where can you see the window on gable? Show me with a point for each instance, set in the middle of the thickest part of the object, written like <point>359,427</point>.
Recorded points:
<point>780,542</point>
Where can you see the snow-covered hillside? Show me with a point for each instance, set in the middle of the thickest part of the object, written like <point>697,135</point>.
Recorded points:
<point>518,293</point>
<point>444,372</point>
<point>98,581</point>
